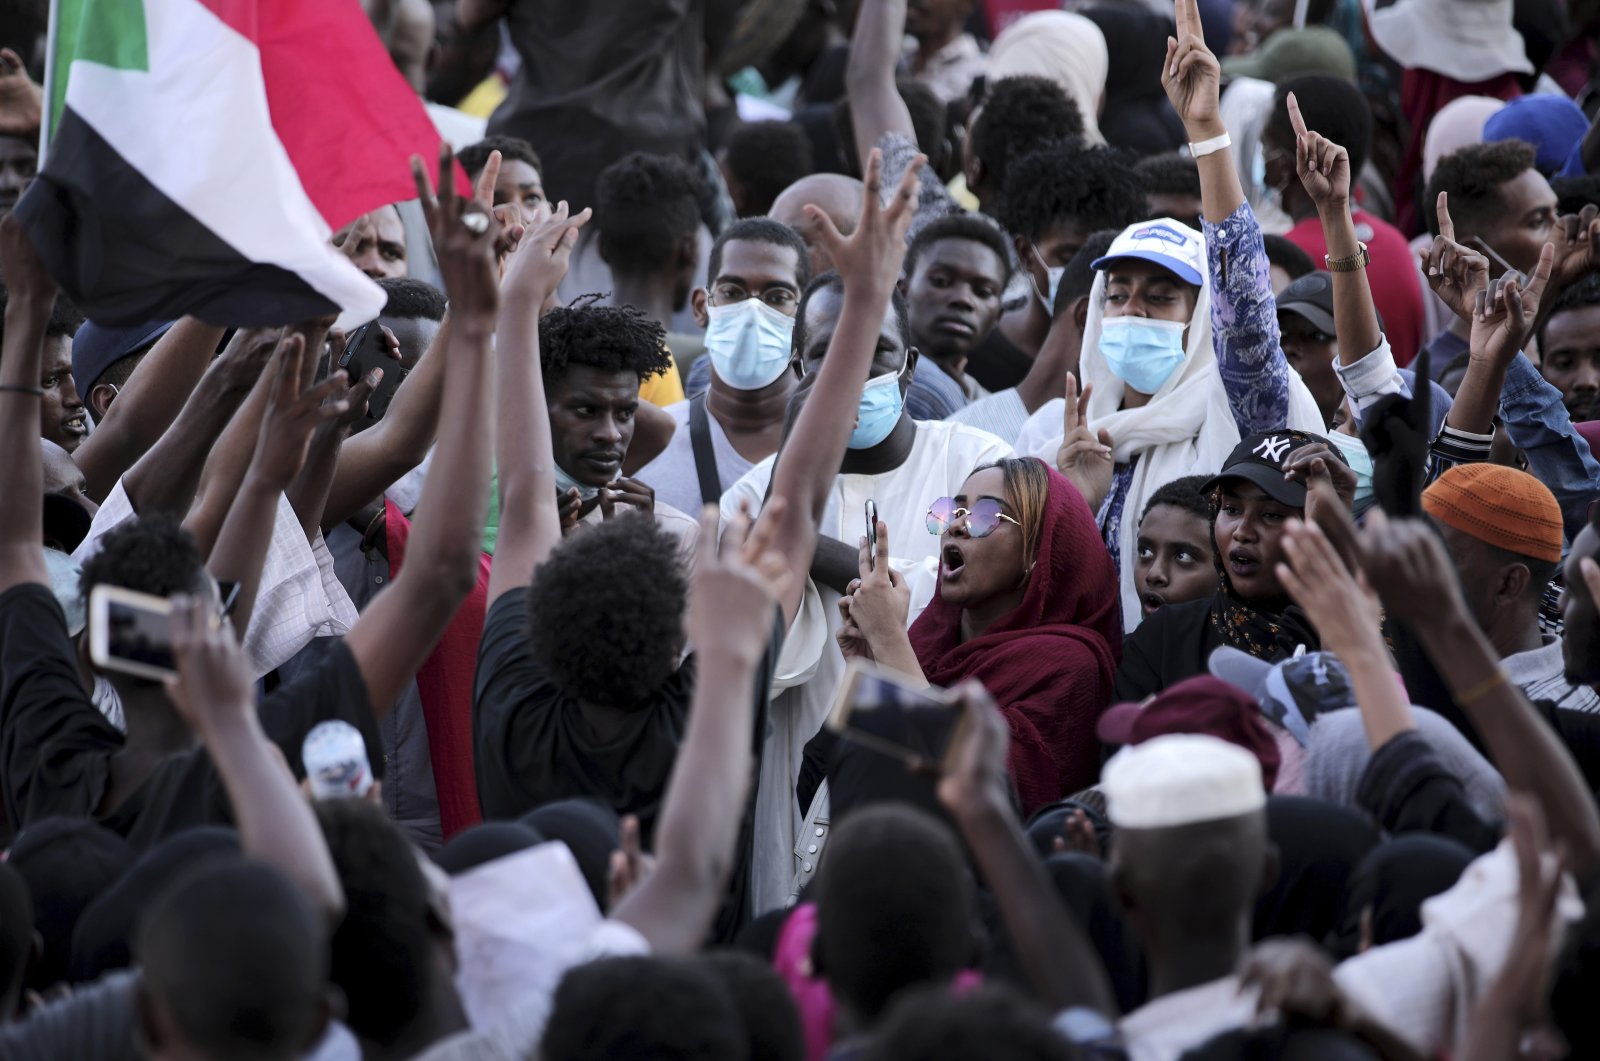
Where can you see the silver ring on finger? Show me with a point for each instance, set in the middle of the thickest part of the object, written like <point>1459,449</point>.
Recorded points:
<point>475,223</point>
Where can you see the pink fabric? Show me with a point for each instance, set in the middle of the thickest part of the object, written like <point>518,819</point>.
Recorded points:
<point>791,959</point>
<point>1051,662</point>
<point>445,686</point>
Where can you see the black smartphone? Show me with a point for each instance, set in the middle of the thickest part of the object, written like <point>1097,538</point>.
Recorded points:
<point>872,533</point>
<point>363,352</point>
<point>882,710</point>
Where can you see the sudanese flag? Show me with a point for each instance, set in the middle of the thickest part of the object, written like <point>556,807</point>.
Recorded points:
<point>198,154</point>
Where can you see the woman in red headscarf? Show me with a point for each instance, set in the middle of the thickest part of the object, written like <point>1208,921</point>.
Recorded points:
<point>1027,604</point>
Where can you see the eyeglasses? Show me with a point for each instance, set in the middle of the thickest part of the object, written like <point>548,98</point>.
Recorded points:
<point>982,518</point>
<point>781,299</point>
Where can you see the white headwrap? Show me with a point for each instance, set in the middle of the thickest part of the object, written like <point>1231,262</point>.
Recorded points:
<point>1187,427</point>
<point>1061,47</point>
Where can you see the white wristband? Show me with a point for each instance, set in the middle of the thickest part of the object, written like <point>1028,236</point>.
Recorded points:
<point>1208,147</point>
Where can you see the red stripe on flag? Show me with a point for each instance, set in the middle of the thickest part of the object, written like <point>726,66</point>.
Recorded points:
<point>238,15</point>
<point>349,122</point>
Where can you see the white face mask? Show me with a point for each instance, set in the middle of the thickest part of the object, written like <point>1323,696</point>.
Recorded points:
<point>1053,274</point>
<point>749,343</point>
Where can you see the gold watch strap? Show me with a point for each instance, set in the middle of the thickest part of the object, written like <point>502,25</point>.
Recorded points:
<point>1358,260</point>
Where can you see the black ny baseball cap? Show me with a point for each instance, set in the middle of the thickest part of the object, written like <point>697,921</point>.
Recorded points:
<point>1259,459</point>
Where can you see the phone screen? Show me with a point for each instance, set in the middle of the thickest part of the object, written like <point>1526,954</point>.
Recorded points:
<point>363,352</point>
<point>139,635</point>
<point>895,719</point>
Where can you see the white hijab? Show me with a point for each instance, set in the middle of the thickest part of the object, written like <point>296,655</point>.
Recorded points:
<point>1061,47</point>
<point>1187,427</point>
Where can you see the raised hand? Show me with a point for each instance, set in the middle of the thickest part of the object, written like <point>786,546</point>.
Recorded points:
<point>293,415</point>
<point>508,215</point>
<point>214,679</point>
<point>1323,166</point>
<point>853,644</point>
<point>1084,458</point>
<point>540,264</point>
<point>465,239</point>
<point>1503,318</point>
<point>21,101</point>
<point>1455,272</point>
<point>630,865</point>
<point>880,601</point>
<point>1576,238</point>
<point>870,258</point>
<point>1404,559</point>
<point>1192,76</point>
<point>1342,605</point>
<point>1316,462</point>
<point>738,583</point>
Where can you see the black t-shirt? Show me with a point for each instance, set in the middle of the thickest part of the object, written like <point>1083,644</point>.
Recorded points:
<point>1169,646</point>
<point>998,363</point>
<point>532,744</point>
<point>56,747</point>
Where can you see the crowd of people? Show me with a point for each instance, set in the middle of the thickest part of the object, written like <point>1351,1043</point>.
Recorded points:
<point>1185,405</point>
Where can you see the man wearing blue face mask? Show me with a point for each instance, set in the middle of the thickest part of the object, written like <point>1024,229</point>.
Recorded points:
<point>894,461</point>
<point>758,267</point>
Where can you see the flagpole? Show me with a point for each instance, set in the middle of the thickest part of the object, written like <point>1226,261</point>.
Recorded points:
<point>49,80</point>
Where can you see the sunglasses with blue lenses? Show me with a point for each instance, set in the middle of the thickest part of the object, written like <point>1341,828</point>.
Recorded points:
<point>983,517</point>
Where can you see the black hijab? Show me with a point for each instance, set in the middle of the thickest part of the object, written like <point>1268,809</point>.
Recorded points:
<point>1393,880</point>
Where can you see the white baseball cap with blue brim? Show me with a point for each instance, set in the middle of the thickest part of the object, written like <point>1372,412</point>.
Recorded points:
<point>1170,244</point>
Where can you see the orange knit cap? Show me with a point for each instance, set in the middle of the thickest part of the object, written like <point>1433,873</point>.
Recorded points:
<point>1502,506</point>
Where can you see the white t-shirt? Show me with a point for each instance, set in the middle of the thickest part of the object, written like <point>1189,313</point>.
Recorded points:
<point>942,455</point>
<point>672,474</point>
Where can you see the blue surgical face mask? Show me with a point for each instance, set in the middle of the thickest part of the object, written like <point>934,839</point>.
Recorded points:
<point>1355,451</point>
<point>749,343</point>
<point>1142,352</point>
<point>879,411</point>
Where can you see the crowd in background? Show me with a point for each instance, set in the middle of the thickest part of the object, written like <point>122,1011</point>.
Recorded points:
<point>1190,402</point>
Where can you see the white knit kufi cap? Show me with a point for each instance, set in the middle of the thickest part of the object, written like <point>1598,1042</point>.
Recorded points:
<point>1180,779</point>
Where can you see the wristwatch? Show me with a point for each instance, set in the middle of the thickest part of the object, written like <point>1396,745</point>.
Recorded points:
<point>1355,262</point>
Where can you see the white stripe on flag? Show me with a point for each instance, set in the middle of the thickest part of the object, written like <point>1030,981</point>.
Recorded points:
<point>197,126</point>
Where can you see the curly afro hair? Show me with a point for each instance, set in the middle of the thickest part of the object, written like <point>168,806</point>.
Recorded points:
<point>605,611</point>
<point>973,227</point>
<point>608,338</point>
<point>153,555</point>
<point>64,320</point>
<point>1473,176</point>
<point>1187,494</point>
<point>1169,174</point>
<point>474,157</point>
<point>1092,187</point>
<point>764,158</point>
<point>1020,116</point>
<point>644,207</point>
<point>412,299</point>
<point>1288,255</point>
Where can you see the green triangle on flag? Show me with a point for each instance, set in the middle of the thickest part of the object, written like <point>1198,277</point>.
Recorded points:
<point>108,32</point>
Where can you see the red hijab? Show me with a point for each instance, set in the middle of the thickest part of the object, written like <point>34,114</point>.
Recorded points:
<point>1050,662</point>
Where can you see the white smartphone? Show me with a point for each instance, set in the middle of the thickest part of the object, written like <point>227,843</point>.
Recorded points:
<point>131,632</point>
